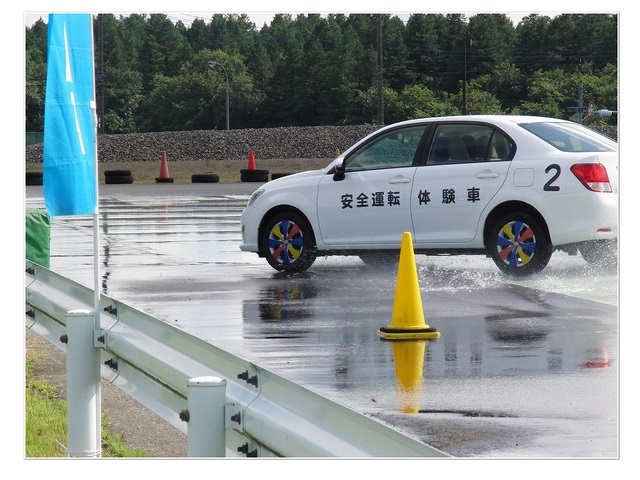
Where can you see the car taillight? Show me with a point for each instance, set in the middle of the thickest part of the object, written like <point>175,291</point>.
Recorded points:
<point>593,176</point>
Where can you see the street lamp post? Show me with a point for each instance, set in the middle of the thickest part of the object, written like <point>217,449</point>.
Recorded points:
<point>467,42</point>
<point>213,64</point>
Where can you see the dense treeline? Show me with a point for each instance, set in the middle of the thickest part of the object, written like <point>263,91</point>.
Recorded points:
<point>154,74</point>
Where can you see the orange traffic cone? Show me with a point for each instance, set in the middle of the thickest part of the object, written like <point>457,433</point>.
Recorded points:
<point>251,174</point>
<point>164,170</point>
<point>252,161</point>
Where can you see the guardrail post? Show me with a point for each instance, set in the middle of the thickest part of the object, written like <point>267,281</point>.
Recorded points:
<point>83,386</point>
<point>205,415</point>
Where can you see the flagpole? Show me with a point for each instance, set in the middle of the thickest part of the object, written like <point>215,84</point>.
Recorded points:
<point>70,187</point>
<point>96,230</point>
<point>96,252</point>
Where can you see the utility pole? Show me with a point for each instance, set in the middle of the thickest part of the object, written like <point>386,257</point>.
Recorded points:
<point>467,42</point>
<point>580,101</point>
<point>580,108</point>
<point>380,81</point>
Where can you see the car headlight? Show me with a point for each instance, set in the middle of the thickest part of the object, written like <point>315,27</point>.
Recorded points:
<point>255,196</point>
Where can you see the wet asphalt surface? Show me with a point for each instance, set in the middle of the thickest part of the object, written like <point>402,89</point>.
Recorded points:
<point>523,368</point>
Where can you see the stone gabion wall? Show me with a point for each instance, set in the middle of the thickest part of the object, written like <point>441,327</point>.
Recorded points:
<point>272,143</point>
<point>266,143</point>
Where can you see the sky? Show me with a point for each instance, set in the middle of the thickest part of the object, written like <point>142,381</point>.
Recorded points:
<point>259,15</point>
<point>259,18</point>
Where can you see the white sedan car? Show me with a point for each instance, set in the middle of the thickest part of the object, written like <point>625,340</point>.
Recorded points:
<point>514,188</point>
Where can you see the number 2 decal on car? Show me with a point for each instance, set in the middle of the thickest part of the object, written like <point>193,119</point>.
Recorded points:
<point>549,186</point>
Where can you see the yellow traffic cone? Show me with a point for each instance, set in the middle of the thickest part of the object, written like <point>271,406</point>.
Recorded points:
<point>407,320</point>
<point>409,359</point>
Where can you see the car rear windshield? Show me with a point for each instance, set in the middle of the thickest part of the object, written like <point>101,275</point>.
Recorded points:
<point>571,137</point>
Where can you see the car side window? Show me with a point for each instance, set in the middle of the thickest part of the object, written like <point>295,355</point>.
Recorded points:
<point>500,147</point>
<point>468,143</point>
<point>393,149</point>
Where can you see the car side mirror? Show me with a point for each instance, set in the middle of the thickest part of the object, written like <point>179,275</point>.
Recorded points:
<point>339,173</point>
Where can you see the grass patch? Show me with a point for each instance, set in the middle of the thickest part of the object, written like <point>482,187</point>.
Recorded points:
<point>46,422</point>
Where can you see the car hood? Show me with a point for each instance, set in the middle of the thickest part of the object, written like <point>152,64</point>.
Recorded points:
<point>296,178</point>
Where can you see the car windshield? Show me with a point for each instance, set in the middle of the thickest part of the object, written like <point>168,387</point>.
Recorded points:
<point>571,137</point>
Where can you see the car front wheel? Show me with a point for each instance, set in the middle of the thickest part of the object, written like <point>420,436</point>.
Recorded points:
<point>519,245</point>
<point>288,243</point>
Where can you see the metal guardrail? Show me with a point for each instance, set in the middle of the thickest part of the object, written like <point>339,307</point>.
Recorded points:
<point>265,414</point>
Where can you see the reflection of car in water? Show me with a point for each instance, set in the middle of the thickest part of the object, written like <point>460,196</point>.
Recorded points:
<point>286,302</point>
<point>513,188</point>
<point>280,306</point>
<point>518,328</point>
<point>511,346</point>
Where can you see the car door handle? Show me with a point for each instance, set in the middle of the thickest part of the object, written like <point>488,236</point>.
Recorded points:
<point>399,179</point>
<point>488,174</point>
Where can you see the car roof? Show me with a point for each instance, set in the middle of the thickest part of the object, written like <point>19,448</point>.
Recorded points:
<point>486,118</point>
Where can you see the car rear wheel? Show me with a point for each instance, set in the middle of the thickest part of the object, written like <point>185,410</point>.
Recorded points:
<point>519,245</point>
<point>288,243</point>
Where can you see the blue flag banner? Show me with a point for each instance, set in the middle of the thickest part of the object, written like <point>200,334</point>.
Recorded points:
<point>69,167</point>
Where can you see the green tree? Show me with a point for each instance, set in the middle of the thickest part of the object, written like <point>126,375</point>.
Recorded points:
<point>125,42</point>
<point>479,100</point>
<point>122,98</point>
<point>547,94</point>
<point>36,39</point>
<point>35,75</point>
<point>578,39</point>
<point>365,103</point>
<point>493,38</point>
<point>165,49</point>
<point>555,93</point>
<point>232,33</point>
<point>451,65</point>
<point>195,99</point>
<point>359,32</point>
<point>423,46</point>
<point>506,83</point>
<point>198,35</point>
<point>532,43</point>
<point>435,50</point>
<point>313,69</point>
<point>417,101</point>
<point>395,53</point>
<point>286,49</point>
